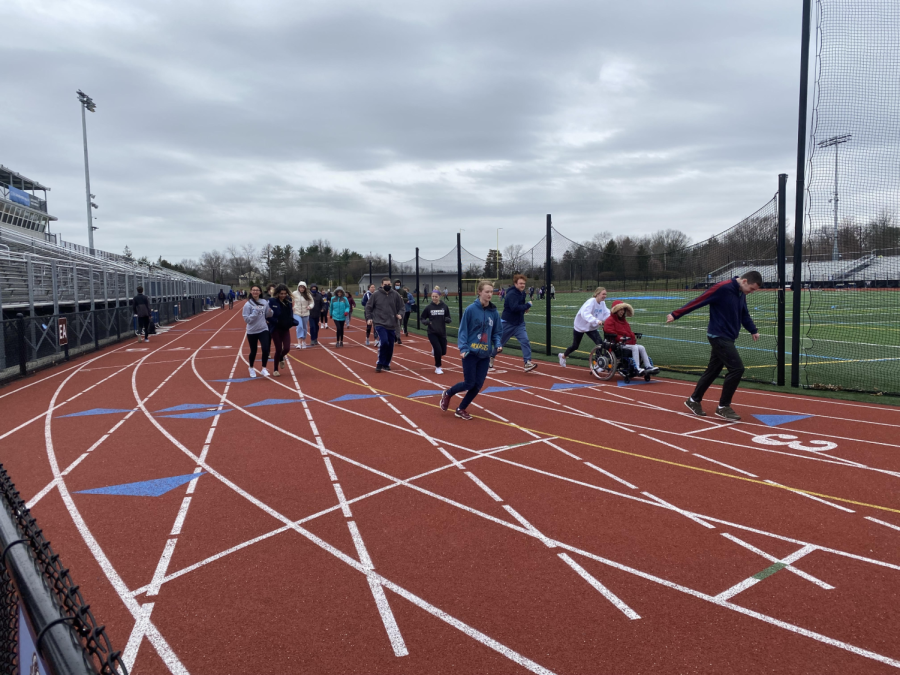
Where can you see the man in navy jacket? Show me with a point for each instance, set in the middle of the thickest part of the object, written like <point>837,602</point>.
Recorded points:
<point>512,321</point>
<point>728,311</point>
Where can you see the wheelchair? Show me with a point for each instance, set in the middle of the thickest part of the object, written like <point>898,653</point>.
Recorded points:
<point>611,357</point>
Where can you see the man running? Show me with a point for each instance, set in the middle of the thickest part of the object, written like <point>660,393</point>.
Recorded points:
<point>384,311</point>
<point>512,322</point>
<point>728,311</point>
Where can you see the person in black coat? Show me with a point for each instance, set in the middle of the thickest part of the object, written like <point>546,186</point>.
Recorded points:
<point>141,306</point>
<point>315,314</point>
<point>437,317</point>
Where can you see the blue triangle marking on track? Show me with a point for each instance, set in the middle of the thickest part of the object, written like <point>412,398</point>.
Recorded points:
<point>777,420</point>
<point>205,414</point>
<point>569,385</point>
<point>274,401</point>
<point>354,397</point>
<point>426,392</point>
<point>635,383</point>
<point>96,411</point>
<point>494,390</point>
<point>237,379</point>
<point>144,488</point>
<point>188,406</point>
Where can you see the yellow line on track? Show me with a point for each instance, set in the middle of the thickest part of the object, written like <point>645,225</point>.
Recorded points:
<point>616,450</point>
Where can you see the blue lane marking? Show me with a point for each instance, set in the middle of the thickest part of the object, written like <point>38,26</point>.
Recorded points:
<point>275,401</point>
<point>96,411</point>
<point>188,406</point>
<point>569,385</point>
<point>236,379</point>
<point>634,383</point>
<point>494,390</point>
<point>353,397</point>
<point>776,420</point>
<point>144,488</point>
<point>206,414</point>
<point>425,392</point>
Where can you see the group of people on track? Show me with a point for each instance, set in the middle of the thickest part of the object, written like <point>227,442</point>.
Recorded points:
<point>483,332</point>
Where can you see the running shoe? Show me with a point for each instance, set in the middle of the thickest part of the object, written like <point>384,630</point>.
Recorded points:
<point>462,414</point>
<point>253,372</point>
<point>491,364</point>
<point>726,413</point>
<point>695,407</point>
<point>276,374</point>
<point>438,371</point>
<point>367,342</point>
<point>531,365</point>
<point>387,368</point>
<point>378,368</point>
<point>399,341</point>
<point>314,343</point>
<point>653,370</point>
<point>445,400</point>
<point>562,359</point>
<point>282,365</point>
<point>265,372</point>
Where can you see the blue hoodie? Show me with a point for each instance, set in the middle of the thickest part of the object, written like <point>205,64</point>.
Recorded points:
<point>727,310</point>
<point>479,329</point>
<point>515,304</point>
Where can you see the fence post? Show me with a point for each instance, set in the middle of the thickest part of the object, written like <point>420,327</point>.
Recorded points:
<point>459,274</point>
<point>779,349</point>
<point>391,269</point>
<point>370,276</point>
<point>549,280</point>
<point>797,286</point>
<point>418,327</point>
<point>23,357</point>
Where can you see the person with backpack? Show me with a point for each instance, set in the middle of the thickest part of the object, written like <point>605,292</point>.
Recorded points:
<point>222,298</point>
<point>231,295</point>
<point>479,335</point>
<point>340,311</point>
<point>255,313</point>
<point>384,311</point>
<point>280,324</point>
<point>365,300</point>
<point>302,302</point>
<point>436,316</point>
<point>315,312</point>
<point>141,306</point>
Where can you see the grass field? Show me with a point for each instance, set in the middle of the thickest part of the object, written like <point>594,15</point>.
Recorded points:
<point>849,338</point>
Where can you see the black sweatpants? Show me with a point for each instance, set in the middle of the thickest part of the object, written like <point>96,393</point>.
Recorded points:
<point>255,339</point>
<point>576,339</point>
<point>144,325</point>
<point>724,355</point>
<point>406,323</point>
<point>339,328</point>
<point>439,345</point>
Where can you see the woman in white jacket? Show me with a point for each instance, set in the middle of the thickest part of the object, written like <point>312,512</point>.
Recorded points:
<point>303,300</point>
<point>589,318</point>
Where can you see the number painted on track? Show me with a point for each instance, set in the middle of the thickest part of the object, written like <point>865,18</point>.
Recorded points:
<point>794,442</point>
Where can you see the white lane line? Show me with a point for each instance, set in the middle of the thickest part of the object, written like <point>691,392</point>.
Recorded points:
<point>484,487</point>
<point>528,526</point>
<point>182,514</point>
<point>792,558</point>
<point>814,498</point>
<point>881,522</point>
<point>161,566</point>
<point>342,499</point>
<point>681,511</point>
<point>137,636</point>
<point>613,476</point>
<point>603,590</point>
<point>661,442</point>
<point>361,550</point>
<point>733,468</point>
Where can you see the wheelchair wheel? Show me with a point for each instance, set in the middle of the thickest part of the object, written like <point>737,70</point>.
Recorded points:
<point>603,363</point>
<point>646,377</point>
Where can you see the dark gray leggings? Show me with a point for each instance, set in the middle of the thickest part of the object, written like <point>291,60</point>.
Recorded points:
<point>265,339</point>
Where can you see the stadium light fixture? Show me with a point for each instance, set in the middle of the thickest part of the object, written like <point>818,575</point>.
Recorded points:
<point>829,142</point>
<point>87,103</point>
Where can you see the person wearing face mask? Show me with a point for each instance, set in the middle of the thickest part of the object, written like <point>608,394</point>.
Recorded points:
<point>384,311</point>
<point>397,287</point>
<point>589,318</point>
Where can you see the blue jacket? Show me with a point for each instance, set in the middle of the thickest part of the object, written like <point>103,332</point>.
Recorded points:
<point>410,302</point>
<point>338,308</point>
<point>727,310</point>
<point>479,330</point>
<point>514,306</point>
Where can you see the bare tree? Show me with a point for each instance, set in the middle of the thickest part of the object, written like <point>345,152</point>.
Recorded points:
<point>513,258</point>
<point>212,265</point>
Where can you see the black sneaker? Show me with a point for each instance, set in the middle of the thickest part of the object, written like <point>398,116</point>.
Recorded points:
<point>695,407</point>
<point>462,414</point>
<point>399,341</point>
<point>387,368</point>
<point>445,400</point>
<point>378,368</point>
<point>726,413</point>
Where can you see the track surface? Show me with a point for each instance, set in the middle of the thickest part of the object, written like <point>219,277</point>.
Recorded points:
<point>569,530</point>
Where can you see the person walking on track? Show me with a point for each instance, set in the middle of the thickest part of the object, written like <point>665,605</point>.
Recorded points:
<point>255,313</point>
<point>141,307</point>
<point>728,311</point>
<point>222,298</point>
<point>591,316</point>
<point>303,300</point>
<point>231,295</point>
<point>365,301</point>
<point>437,317</point>
<point>315,311</point>
<point>280,324</point>
<point>340,312</point>
<point>409,304</point>
<point>398,287</point>
<point>323,316</point>
<point>384,311</point>
<point>479,334</point>
<point>512,322</point>
<point>352,307</point>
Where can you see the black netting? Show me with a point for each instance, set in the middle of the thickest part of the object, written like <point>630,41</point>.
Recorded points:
<point>851,264</point>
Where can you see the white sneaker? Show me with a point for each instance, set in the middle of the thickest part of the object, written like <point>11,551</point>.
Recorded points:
<point>438,371</point>
<point>252,372</point>
<point>265,372</point>
<point>562,359</point>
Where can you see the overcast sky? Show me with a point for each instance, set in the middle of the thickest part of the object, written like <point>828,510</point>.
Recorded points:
<point>388,125</point>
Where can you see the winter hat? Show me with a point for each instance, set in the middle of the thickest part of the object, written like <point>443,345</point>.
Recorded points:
<point>302,283</point>
<point>618,304</point>
<point>341,289</point>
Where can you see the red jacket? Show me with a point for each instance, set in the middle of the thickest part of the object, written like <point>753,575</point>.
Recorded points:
<point>619,327</point>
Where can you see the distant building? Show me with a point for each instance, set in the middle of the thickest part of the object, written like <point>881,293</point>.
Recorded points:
<point>21,210</point>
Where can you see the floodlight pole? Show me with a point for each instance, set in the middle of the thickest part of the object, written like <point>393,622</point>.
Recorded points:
<point>87,102</point>
<point>835,141</point>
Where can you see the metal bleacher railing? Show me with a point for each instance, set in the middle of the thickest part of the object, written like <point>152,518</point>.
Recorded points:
<point>42,282</point>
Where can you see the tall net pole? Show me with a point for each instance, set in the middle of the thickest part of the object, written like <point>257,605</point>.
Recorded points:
<point>780,274</point>
<point>459,274</point>
<point>418,327</point>
<point>549,275</point>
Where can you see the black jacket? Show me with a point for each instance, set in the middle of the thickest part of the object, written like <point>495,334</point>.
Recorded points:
<point>315,308</point>
<point>141,305</point>
<point>437,318</point>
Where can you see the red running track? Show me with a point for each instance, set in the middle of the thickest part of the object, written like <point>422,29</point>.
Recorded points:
<point>564,530</point>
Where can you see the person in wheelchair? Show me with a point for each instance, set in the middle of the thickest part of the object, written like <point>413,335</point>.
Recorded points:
<point>617,329</point>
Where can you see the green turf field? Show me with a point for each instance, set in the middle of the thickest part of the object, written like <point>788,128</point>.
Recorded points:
<point>850,338</point>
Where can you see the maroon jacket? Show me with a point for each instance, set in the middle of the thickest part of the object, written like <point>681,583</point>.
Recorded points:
<point>620,328</point>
